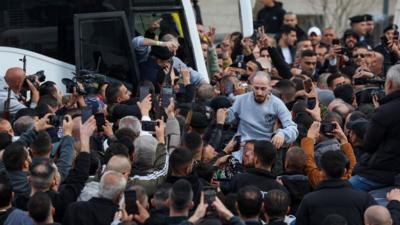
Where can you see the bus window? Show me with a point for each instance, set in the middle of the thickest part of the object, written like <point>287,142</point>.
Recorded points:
<point>102,44</point>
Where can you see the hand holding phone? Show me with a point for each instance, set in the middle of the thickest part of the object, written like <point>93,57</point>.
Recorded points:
<point>130,202</point>
<point>100,121</point>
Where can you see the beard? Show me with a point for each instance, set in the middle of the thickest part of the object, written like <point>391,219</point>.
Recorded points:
<point>259,98</point>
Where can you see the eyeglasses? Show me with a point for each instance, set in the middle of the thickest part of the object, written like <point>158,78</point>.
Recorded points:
<point>361,55</point>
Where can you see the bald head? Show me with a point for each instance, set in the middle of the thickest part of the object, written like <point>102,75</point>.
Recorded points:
<point>119,163</point>
<point>377,215</point>
<point>15,78</point>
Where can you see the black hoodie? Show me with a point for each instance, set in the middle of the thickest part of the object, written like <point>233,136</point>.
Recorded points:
<point>271,17</point>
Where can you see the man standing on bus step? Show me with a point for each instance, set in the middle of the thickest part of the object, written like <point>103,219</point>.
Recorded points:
<point>11,86</point>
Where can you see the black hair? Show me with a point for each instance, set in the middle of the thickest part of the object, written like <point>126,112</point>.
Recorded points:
<point>332,77</point>
<point>115,149</point>
<point>286,29</point>
<point>308,53</point>
<point>181,195</point>
<point>5,140</point>
<point>49,100</point>
<point>205,171</point>
<point>276,204</point>
<point>265,151</point>
<point>14,156</point>
<point>333,163</point>
<point>47,88</point>
<point>39,207</point>
<point>230,203</point>
<point>113,92</point>
<point>180,158</point>
<point>125,132</point>
<point>5,190</point>
<point>42,144</point>
<point>249,201</point>
<point>192,141</point>
<point>42,175</point>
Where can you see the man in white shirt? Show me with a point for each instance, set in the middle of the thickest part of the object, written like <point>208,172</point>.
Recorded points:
<point>286,41</point>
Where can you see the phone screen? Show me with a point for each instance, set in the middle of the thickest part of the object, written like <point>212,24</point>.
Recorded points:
<point>100,121</point>
<point>130,202</point>
<point>149,126</point>
<point>311,102</point>
<point>336,41</point>
<point>166,95</point>
<point>238,140</point>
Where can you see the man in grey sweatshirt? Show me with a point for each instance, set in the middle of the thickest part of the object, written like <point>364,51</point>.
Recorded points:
<point>259,110</point>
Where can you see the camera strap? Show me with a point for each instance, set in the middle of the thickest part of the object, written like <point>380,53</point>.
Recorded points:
<point>6,110</point>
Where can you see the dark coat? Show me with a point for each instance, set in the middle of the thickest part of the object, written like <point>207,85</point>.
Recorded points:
<point>271,17</point>
<point>334,197</point>
<point>298,186</point>
<point>194,180</point>
<point>382,141</point>
<point>151,71</point>
<point>389,58</point>
<point>96,211</point>
<point>260,178</point>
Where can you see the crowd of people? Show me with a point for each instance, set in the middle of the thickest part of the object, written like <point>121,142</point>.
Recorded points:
<point>293,127</point>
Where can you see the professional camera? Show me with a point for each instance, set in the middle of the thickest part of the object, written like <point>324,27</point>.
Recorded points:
<point>35,79</point>
<point>366,95</point>
<point>89,82</point>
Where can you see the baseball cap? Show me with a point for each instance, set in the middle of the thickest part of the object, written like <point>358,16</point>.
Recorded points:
<point>314,30</point>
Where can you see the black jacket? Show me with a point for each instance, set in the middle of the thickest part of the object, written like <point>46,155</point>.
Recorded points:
<point>271,17</point>
<point>389,58</point>
<point>298,186</point>
<point>96,211</point>
<point>260,178</point>
<point>194,180</point>
<point>334,197</point>
<point>279,62</point>
<point>382,141</point>
<point>394,209</point>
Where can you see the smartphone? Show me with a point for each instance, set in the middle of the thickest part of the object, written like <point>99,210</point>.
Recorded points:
<point>166,95</point>
<point>130,202</point>
<point>311,103</point>
<point>86,113</point>
<point>327,127</point>
<point>396,35</point>
<point>100,121</point>
<point>238,140</point>
<point>143,92</point>
<point>336,41</point>
<point>228,88</point>
<point>361,81</point>
<point>307,85</point>
<point>209,194</point>
<point>149,126</point>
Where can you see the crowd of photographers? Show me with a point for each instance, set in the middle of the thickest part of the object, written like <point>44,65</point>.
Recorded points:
<point>293,127</point>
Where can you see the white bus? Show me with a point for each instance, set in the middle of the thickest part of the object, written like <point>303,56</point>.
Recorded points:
<point>65,36</point>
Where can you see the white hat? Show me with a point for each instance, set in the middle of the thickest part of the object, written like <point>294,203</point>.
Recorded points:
<point>315,30</point>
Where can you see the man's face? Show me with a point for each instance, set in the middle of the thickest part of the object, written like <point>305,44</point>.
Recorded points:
<point>360,56</point>
<point>370,26</point>
<point>248,155</point>
<point>204,48</point>
<point>291,38</point>
<point>314,38</point>
<point>200,29</point>
<point>389,34</point>
<point>265,54</point>
<point>328,36</point>
<point>261,88</point>
<point>290,20</point>
<point>125,94</point>
<point>251,68</point>
<point>350,41</point>
<point>360,28</point>
<point>338,82</point>
<point>308,64</point>
<point>306,44</point>
<point>163,63</point>
<point>6,127</point>
<point>321,52</point>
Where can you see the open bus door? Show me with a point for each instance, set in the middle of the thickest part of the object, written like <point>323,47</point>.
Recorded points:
<point>103,45</point>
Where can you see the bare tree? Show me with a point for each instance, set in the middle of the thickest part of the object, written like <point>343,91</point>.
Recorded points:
<point>336,13</point>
